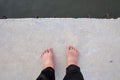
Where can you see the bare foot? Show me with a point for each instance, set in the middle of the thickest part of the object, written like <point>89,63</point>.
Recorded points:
<point>72,55</point>
<point>47,58</point>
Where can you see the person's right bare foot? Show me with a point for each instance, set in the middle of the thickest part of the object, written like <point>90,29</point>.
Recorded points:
<point>72,55</point>
<point>47,58</point>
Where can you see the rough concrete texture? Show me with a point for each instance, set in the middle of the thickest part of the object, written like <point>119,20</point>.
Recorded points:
<point>22,40</point>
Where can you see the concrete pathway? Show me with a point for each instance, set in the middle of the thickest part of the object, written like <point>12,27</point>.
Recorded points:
<point>22,40</point>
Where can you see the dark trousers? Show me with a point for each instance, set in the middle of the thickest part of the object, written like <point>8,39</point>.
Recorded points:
<point>72,73</point>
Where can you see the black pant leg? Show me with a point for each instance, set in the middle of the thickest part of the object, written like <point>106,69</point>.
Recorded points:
<point>73,73</point>
<point>47,74</point>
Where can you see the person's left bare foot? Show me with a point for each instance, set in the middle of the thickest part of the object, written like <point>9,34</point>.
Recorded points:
<point>47,58</point>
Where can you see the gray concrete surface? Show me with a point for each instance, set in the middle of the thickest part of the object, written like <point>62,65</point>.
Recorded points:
<point>22,40</point>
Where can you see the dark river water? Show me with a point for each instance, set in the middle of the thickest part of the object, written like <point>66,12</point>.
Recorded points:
<point>60,8</point>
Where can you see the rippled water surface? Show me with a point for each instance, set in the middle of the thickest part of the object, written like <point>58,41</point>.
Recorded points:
<point>60,8</point>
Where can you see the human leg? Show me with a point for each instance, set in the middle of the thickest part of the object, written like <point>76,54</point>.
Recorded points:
<point>72,71</point>
<point>48,72</point>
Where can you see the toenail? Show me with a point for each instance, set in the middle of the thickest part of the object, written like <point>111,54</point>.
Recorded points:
<point>50,49</point>
<point>74,48</point>
<point>47,50</point>
<point>41,54</point>
<point>69,48</point>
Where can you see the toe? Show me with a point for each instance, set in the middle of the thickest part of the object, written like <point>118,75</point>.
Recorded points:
<point>45,51</point>
<point>67,49</point>
<point>42,54</point>
<point>71,47</point>
<point>76,49</point>
<point>48,50</point>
